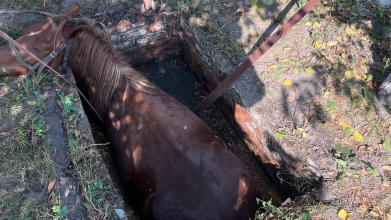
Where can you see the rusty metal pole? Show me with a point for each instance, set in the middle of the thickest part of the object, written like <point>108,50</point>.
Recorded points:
<point>255,56</point>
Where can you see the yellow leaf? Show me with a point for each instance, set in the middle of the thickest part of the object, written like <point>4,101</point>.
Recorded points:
<point>252,32</point>
<point>285,60</point>
<point>273,67</point>
<point>316,25</point>
<point>295,71</point>
<point>349,74</point>
<point>339,38</point>
<point>310,70</point>
<point>299,129</point>
<point>384,59</point>
<point>344,38</point>
<point>374,214</point>
<point>349,31</point>
<point>358,137</point>
<point>332,43</point>
<point>317,45</point>
<point>308,24</point>
<point>357,76</point>
<point>77,133</point>
<point>364,61</point>
<point>326,94</point>
<point>365,69</point>
<point>344,124</point>
<point>342,214</point>
<point>286,49</point>
<point>287,82</point>
<point>258,8</point>
<point>304,135</point>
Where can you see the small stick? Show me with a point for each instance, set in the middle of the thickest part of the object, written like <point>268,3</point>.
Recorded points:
<point>26,12</point>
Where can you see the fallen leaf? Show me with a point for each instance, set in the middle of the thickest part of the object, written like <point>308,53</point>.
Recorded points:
<point>287,82</point>
<point>332,105</point>
<point>4,133</point>
<point>326,94</point>
<point>308,24</point>
<point>279,135</point>
<point>258,8</point>
<point>299,128</point>
<point>342,214</point>
<point>344,124</point>
<point>252,32</point>
<point>274,67</point>
<point>349,31</point>
<point>348,131</point>
<point>296,71</point>
<point>310,70</point>
<point>77,133</point>
<point>51,186</point>
<point>342,163</point>
<point>374,214</point>
<point>304,134</point>
<point>317,44</point>
<point>349,74</point>
<point>316,25</point>
<point>358,137</point>
<point>332,43</point>
<point>386,145</point>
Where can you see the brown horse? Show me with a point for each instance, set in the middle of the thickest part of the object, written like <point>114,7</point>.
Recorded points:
<point>170,164</point>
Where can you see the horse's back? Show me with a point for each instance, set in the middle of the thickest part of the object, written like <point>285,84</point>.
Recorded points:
<point>174,163</point>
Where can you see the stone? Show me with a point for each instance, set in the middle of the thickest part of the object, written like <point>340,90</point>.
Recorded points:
<point>383,3</point>
<point>385,91</point>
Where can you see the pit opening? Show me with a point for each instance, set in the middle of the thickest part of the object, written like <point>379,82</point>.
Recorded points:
<point>168,51</point>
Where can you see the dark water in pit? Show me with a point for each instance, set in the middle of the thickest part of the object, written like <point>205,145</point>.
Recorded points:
<point>174,77</point>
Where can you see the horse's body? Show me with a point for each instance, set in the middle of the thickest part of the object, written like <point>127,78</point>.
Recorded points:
<point>169,162</point>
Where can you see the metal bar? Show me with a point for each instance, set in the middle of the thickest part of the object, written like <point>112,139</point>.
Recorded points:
<point>255,56</point>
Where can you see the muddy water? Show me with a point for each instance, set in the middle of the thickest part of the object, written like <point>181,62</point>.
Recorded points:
<point>174,77</point>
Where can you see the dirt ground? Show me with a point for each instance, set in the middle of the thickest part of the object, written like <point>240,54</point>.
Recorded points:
<point>315,92</point>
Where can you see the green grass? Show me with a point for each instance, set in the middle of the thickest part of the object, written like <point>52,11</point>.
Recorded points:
<point>24,152</point>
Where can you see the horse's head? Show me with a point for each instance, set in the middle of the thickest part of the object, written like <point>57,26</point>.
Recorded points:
<point>39,39</point>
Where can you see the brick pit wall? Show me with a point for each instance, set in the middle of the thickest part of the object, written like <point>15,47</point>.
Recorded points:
<point>149,39</point>
<point>166,34</point>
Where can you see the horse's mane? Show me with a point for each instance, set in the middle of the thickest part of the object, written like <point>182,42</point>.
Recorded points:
<point>101,65</point>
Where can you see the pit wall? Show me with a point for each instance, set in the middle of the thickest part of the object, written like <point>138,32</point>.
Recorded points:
<point>212,70</point>
<point>166,34</point>
<point>149,39</point>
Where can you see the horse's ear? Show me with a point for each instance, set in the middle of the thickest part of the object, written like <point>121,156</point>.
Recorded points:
<point>73,11</point>
<point>69,33</point>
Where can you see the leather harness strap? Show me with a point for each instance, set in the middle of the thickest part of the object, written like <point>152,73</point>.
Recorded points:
<point>255,56</point>
<point>16,44</point>
<point>46,60</point>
